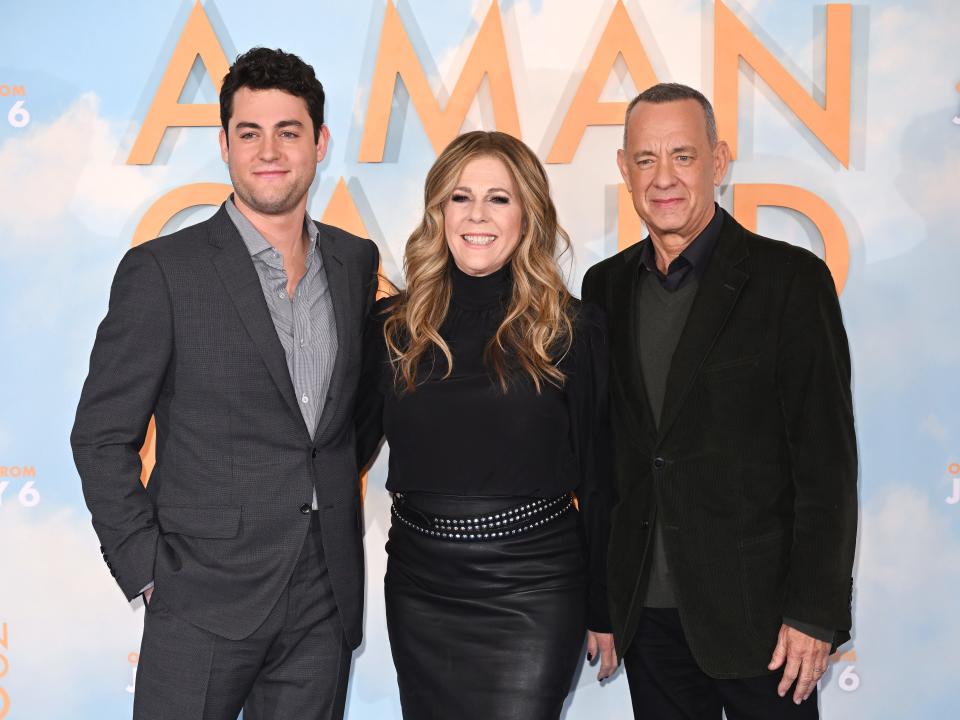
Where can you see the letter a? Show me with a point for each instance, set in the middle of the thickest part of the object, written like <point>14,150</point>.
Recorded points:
<point>197,38</point>
<point>619,38</point>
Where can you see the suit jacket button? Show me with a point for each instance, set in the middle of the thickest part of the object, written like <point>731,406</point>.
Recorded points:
<point>305,508</point>
<point>658,463</point>
<point>313,453</point>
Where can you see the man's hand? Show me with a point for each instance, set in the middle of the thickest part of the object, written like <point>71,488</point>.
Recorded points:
<point>602,644</point>
<point>146,595</point>
<point>805,657</point>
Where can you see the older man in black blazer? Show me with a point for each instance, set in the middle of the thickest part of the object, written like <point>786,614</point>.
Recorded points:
<point>733,535</point>
<point>241,336</point>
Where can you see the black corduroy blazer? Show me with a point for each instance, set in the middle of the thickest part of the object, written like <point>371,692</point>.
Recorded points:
<point>752,473</point>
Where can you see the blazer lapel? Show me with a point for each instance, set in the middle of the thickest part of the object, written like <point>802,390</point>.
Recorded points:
<point>720,287</point>
<point>339,283</point>
<point>627,361</point>
<point>239,277</point>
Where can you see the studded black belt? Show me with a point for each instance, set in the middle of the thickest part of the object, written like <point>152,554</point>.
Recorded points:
<point>509,522</point>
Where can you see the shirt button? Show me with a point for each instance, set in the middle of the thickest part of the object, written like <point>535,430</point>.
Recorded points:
<point>281,294</point>
<point>305,508</point>
<point>302,341</point>
<point>305,399</point>
<point>658,463</point>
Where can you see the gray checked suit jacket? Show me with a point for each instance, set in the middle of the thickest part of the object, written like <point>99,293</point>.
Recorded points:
<point>188,338</point>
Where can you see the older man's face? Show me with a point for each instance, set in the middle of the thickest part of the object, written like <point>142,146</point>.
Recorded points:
<point>671,169</point>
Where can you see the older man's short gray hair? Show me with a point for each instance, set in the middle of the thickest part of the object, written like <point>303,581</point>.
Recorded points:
<point>671,92</point>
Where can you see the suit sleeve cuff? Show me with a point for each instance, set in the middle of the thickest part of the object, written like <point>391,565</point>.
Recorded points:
<point>815,631</point>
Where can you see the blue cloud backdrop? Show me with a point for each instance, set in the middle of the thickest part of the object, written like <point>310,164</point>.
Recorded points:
<point>69,205</point>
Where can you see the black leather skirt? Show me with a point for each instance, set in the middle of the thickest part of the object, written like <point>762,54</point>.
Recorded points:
<point>485,627</point>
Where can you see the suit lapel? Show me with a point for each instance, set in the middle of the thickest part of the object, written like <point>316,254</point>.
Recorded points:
<point>624,326</point>
<point>339,283</point>
<point>719,289</point>
<point>239,277</point>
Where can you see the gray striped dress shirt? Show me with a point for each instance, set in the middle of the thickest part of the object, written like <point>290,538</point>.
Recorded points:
<point>305,322</point>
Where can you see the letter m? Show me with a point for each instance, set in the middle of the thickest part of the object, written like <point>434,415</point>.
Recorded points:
<point>396,57</point>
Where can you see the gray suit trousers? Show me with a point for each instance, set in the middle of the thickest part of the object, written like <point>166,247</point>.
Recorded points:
<point>294,666</point>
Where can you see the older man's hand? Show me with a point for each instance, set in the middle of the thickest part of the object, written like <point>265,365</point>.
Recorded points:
<point>803,659</point>
<point>601,644</point>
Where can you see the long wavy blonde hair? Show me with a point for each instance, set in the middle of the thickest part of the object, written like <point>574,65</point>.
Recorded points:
<point>537,329</point>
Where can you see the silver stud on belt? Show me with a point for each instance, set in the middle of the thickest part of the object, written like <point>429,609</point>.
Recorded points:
<point>484,528</point>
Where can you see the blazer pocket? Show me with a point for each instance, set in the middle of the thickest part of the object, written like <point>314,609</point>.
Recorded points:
<point>725,365</point>
<point>200,521</point>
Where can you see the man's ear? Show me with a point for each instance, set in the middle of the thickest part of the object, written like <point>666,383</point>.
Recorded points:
<point>622,164</point>
<point>721,161</point>
<point>224,146</point>
<point>322,142</point>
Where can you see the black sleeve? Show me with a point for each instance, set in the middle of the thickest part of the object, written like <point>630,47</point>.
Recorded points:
<point>813,382</point>
<point>368,418</point>
<point>128,367</point>
<point>590,427</point>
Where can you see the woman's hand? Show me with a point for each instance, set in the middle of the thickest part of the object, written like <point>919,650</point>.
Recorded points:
<point>602,644</point>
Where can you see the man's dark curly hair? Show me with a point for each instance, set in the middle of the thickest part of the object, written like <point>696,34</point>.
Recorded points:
<point>265,69</point>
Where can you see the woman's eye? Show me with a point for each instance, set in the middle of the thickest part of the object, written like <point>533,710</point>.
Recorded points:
<point>500,199</point>
<point>458,198</point>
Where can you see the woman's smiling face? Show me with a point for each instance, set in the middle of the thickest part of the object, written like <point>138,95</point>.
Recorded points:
<point>482,218</point>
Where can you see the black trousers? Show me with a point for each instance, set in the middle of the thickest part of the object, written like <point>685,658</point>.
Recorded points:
<point>293,666</point>
<point>667,684</point>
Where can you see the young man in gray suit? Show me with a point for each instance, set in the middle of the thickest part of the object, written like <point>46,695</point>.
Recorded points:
<point>241,336</point>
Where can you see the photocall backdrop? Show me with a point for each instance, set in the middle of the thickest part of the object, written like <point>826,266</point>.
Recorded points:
<point>845,124</point>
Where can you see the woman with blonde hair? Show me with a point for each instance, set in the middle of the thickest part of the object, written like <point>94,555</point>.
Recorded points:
<point>489,380</point>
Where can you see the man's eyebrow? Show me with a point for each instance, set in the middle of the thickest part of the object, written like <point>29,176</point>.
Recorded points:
<point>288,123</point>
<point>688,149</point>
<point>248,125</point>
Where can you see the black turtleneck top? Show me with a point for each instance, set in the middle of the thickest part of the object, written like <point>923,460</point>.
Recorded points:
<point>463,435</point>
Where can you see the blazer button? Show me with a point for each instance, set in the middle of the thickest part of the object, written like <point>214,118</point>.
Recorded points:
<point>313,453</point>
<point>305,508</point>
<point>658,463</point>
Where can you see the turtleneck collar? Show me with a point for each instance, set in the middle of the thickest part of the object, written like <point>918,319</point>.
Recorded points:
<point>478,293</point>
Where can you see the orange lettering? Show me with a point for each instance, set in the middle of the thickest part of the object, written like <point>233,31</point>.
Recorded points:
<point>830,123</point>
<point>197,39</point>
<point>748,197</point>
<point>619,39</point>
<point>396,57</point>
<point>171,203</point>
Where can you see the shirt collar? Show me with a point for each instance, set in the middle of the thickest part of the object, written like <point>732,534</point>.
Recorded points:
<point>692,261</point>
<point>256,243</point>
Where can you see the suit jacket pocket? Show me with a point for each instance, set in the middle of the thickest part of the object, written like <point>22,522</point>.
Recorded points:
<point>201,521</point>
<point>726,367</point>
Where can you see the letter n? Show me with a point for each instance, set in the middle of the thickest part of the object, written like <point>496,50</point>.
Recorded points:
<point>197,38</point>
<point>830,123</point>
<point>396,57</point>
